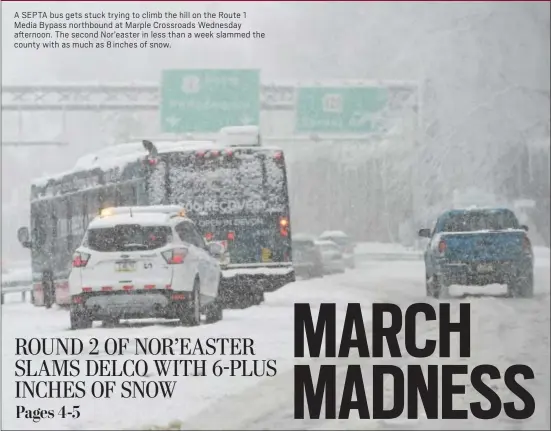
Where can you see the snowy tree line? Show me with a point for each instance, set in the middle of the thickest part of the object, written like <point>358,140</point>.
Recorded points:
<point>372,196</point>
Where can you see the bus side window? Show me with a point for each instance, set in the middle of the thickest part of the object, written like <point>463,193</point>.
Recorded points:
<point>77,214</point>
<point>141,193</point>
<point>108,197</point>
<point>51,228</point>
<point>92,206</point>
<point>39,225</point>
<point>126,195</point>
<point>156,184</point>
<point>61,214</point>
<point>69,211</point>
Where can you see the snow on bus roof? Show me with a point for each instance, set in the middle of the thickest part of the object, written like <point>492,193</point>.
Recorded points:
<point>121,154</point>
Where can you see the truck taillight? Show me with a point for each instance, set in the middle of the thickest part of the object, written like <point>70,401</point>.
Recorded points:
<point>80,260</point>
<point>175,256</point>
<point>442,246</point>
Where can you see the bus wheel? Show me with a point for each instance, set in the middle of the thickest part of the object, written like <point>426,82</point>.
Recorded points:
<point>257,296</point>
<point>49,293</point>
<point>79,320</point>
<point>111,322</point>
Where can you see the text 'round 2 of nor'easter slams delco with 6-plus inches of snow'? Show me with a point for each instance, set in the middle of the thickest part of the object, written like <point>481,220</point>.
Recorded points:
<point>71,369</point>
<point>376,384</point>
<point>126,30</point>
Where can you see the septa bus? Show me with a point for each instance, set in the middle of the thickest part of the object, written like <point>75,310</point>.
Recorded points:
<point>232,187</point>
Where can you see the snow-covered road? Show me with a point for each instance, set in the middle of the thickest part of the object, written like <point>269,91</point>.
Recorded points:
<point>504,331</point>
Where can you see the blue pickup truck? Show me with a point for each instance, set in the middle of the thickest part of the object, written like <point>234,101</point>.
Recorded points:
<point>478,247</point>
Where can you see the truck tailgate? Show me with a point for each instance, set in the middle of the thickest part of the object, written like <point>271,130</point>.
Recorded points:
<point>483,246</point>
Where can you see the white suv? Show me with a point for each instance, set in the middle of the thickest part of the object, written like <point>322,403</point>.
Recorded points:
<point>141,262</point>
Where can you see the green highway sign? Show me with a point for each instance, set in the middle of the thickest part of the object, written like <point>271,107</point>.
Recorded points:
<point>205,100</point>
<point>339,109</point>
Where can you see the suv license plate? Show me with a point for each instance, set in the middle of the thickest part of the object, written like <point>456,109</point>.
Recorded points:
<point>485,267</point>
<point>126,266</point>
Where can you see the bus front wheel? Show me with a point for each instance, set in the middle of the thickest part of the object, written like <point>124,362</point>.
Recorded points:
<point>49,293</point>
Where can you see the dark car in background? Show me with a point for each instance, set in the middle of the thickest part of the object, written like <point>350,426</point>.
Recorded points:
<point>306,257</point>
<point>345,243</point>
<point>332,257</point>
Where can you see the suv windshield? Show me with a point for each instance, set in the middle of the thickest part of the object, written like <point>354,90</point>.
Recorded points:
<point>127,238</point>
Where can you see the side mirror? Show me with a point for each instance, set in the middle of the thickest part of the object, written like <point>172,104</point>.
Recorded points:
<point>424,233</point>
<point>24,236</point>
<point>524,227</point>
<point>215,249</point>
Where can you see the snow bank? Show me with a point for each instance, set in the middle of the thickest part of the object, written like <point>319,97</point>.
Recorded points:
<point>542,252</point>
<point>269,325</point>
<point>232,272</point>
<point>381,247</point>
<point>269,404</point>
<point>542,257</point>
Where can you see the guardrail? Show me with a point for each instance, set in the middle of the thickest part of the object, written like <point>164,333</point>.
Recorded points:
<point>390,256</point>
<point>16,286</point>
